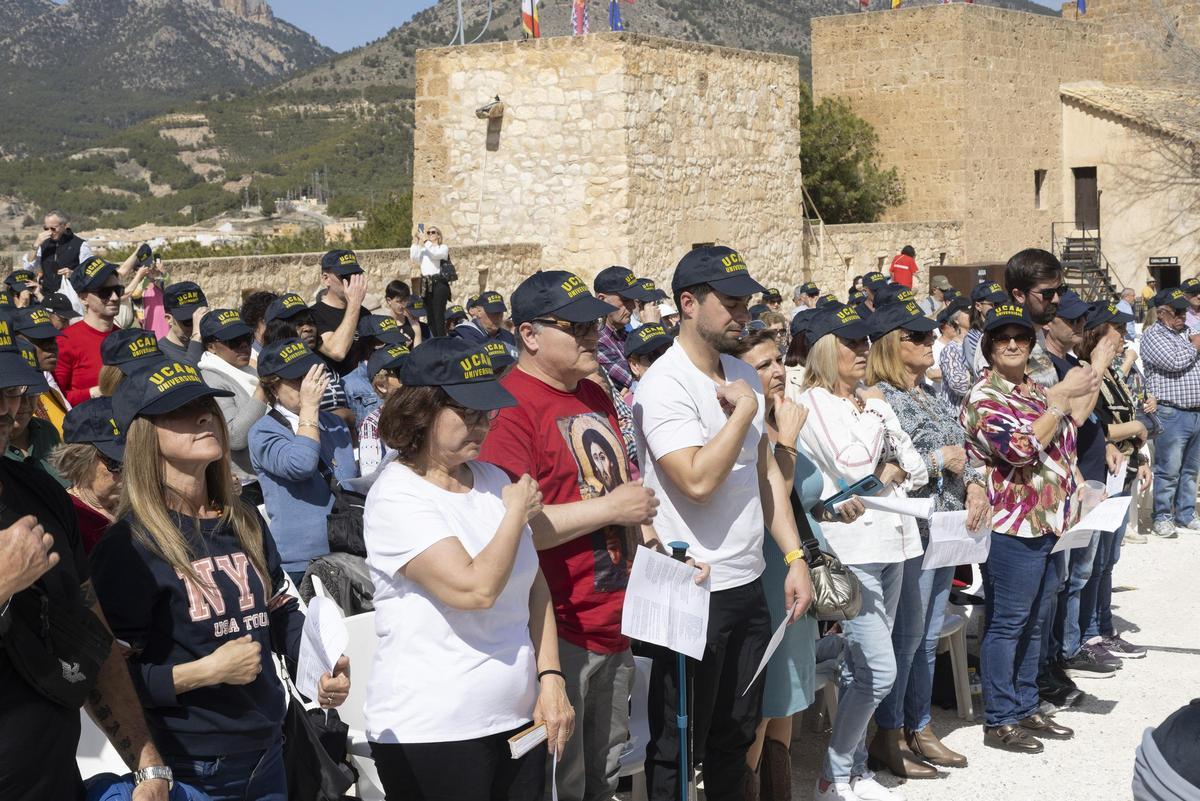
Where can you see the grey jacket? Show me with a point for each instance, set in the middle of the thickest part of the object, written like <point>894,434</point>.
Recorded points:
<point>241,412</point>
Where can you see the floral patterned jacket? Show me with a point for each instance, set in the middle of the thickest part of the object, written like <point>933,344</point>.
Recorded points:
<point>1031,485</point>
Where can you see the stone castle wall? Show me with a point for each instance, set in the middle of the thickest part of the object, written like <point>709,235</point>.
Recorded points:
<point>613,149</point>
<point>228,279</point>
<point>1137,37</point>
<point>859,248</point>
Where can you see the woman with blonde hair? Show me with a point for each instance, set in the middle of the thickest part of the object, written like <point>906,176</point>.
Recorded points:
<point>90,459</point>
<point>190,580</point>
<point>852,433</point>
<point>901,352</point>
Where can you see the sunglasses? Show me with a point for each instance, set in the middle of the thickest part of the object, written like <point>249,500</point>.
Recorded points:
<point>918,337</point>
<point>475,417</point>
<point>1048,294</point>
<point>106,292</point>
<point>110,464</point>
<point>1024,340</point>
<point>577,330</point>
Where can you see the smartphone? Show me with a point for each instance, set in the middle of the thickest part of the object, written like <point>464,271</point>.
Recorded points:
<point>420,228</point>
<point>871,485</point>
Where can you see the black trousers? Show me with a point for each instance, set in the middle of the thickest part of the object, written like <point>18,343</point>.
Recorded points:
<point>722,719</point>
<point>437,295</point>
<point>471,770</point>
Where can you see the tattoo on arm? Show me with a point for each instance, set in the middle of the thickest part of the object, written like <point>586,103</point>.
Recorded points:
<point>102,713</point>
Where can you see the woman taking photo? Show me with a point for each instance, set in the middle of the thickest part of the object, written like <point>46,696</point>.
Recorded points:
<point>90,460</point>
<point>850,434</point>
<point>1024,435</point>
<point>468,647</point>
<point>190,579</point>
<point>901,352</point>
<point>297,451</point>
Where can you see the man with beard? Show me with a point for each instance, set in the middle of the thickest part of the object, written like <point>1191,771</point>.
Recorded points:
<point>44,576</point>
<point>620,289</point>
<point>703,447</point>
<point>78,370</point>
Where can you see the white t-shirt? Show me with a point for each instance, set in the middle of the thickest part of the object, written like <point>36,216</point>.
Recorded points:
<point>676,407</point>
<point>444,674</point>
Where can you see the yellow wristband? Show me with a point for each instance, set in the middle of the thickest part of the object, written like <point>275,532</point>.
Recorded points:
<point>793,556</point>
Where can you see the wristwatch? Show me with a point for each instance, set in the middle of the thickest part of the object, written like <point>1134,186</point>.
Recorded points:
<point>155,772</point>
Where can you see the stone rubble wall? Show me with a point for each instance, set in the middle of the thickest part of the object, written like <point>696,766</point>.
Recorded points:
<point>228,279</point>
<point>859,248</point>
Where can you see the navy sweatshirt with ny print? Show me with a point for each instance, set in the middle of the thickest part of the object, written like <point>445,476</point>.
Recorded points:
<point>168,619</point>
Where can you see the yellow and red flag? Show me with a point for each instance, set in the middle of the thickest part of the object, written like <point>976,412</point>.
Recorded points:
<point>530,22</point>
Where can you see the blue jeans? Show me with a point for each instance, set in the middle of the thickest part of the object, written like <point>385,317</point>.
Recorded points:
<point>1095,611</point>
<point>1018,578</point>
<point>918,627</point>
<point>250,776</point>
<point>869,672</point>
<point>1176,465</point>
<point>111,787</point>
<point>1050,623</point>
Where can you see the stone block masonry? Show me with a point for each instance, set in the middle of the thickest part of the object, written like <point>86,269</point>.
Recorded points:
<point>613,149</point>
<point>840,252</point>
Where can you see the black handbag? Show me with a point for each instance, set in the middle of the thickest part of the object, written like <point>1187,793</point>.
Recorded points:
<point>314,751</point>
<point>447,271</point>
<point>58,649</point>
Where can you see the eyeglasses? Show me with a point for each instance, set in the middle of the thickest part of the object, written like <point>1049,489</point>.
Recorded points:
<point>1023,340</point>
<point>110,464</point>
<point>577,330</point>
<point>475,417</point>
<point>106,292</point>
<point>918,337</point>
<point>14,392</point>
<point>1048,294</point>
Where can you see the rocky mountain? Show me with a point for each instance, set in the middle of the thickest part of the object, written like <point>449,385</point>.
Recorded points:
<point>71,72</point>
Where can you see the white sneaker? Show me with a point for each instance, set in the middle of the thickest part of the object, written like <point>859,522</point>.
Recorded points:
<point>1165,529</point>
<point>836,791</point>
<point>867,789</point>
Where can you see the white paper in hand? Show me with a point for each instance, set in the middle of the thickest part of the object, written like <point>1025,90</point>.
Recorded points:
<point>322,643</point>
<point>1116,484</point>
<point>772,647</point>
<point>1106,516</point>
<point>664,605</point>
<point>913,507</point>
<point>952,543</point>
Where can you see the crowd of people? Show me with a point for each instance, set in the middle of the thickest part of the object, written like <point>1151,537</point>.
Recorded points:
<point>175,474</point>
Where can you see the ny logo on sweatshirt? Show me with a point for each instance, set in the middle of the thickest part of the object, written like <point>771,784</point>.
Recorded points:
<point>205,599</point>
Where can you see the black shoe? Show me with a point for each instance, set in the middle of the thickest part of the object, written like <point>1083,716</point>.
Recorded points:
<point>1056,669</point>
<point>1042,726</point>
<point>1085,665</point>
<point>1052,691</point>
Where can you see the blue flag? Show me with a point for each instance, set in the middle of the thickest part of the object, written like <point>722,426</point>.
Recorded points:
<point>1081,6</point>
<point>614,16</point>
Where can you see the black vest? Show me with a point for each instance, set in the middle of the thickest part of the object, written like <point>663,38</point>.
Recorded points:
<point>59,255</point>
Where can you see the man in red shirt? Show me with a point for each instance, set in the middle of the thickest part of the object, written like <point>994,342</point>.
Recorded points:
<point>904,266</point>
<point>565,434</point>
<point>78,369</point>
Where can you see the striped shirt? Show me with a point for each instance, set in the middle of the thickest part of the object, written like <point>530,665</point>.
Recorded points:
<point>1172,366</point>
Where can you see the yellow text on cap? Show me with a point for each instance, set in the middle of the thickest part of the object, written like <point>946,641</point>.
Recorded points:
<point>733,262</point>
<point>173,375</point>
<point>477,365</point>
<point>573,286</point>
<point>293,351</point>
<point>1009,310</point>
<point>143,346</point>
<point>651,330</point>
<point>5,335</point>
<point>848,314</point>
<point>230,316</point>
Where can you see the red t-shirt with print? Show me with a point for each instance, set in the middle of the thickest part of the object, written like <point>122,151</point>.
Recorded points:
<point>904,267</point>
<point>570,443</point>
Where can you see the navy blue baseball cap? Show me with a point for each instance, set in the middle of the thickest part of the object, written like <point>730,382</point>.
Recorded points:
<point>499,353</point>
<point>491,302</point>
<point>1103,312</point>
<point>842,320</point>
<point>854,297</point>
<point>342,263</point>
<point>800,322</point>
<point>651,289</point>
<point>1171,297</point>
<point>389,357</point>
<point>950,295</point>
<point>285,307</point>
<point>30,356</point>
<point>416,305</point>
<point>988,291</point>
<point>125,346</point>
<point>875,281</point>
<point>952,308</point>
<point>828,301</point>
<point>899,314</point>
<point>1007,314</point>
<point>620,281</point>
<point>559,293</point>
<point>1190,287</point>
<point>810,288</point>
<point>772,295</point>
<point>381,327</point>
<point>757,310</point>
<point>34,322</point>
<point>14,368</point>
<point>1071,306</point>
<point>720,267</point>
<point>455,312</point>
<point>20,280</point>
<point>893,293</point>
<point>180,300</point>
<point>94,423</point>
<point>287,358</point>
<point>224,324</point>
<point>60,304</point>
<point>91,274</point>
<point>647,339</point>
<point>5,299</point>
<point>158,387</point>
<point>464,371</point>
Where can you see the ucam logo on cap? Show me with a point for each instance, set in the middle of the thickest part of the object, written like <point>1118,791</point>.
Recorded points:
<point>496,348</point>
<point>387,324</point>
<point>993,287</point>
<point>911,307</point>
<point>93,266</point>
<point>347,258</point>
<point>6,339</point>
<point>848,314</point>
<point>296,350</point>
<point>493,297</point>
<point>649,286</point>
<point>292,300</point>
<point>38,316</point>
<point>30,356</point>
<point>477,365</point>
<point>396,351</point>
<point>143,346</point>
<point>417,303</point>
<point>229,316</point>
<point>573,286</point>
<point>649,331</point>
<point>876,276</point>
<point>630,279</point>
<point>905,295</point>
<point>733,262</point>
<point>174,375</point>
<point>188,298</point>
<point>1009,310</point>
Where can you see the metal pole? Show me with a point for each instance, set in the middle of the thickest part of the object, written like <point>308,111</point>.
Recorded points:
<point>682,719</point>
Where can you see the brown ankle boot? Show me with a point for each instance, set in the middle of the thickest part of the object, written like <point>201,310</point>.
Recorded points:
<point>889,750</point>
<point>750,784</point>
<point>776,771</point>
<point>926,745</point>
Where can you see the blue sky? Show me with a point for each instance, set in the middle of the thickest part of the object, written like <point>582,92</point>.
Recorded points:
<point>343,24</point>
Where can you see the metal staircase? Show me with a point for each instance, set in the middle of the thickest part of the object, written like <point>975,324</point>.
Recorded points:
<point>1085,268</point>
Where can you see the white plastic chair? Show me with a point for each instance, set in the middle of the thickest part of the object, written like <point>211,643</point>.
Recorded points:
<point>954,640</point>
<point>95,754</point>
<point>633,758</point>
<point>361,652</point>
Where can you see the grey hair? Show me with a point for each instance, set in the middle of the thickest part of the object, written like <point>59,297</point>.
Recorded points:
<point>75,462</point>
<point>535,326</point>
<point>60,215</point>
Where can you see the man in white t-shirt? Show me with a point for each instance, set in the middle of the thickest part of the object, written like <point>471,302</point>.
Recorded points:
<point>704,451</point>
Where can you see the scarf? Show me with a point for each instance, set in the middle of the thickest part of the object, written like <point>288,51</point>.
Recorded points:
<point>246,380</point>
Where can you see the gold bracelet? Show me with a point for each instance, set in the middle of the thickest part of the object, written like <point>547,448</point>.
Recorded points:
<point>787,449</point>
<point>792,556</point>
<point>310,423</point>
